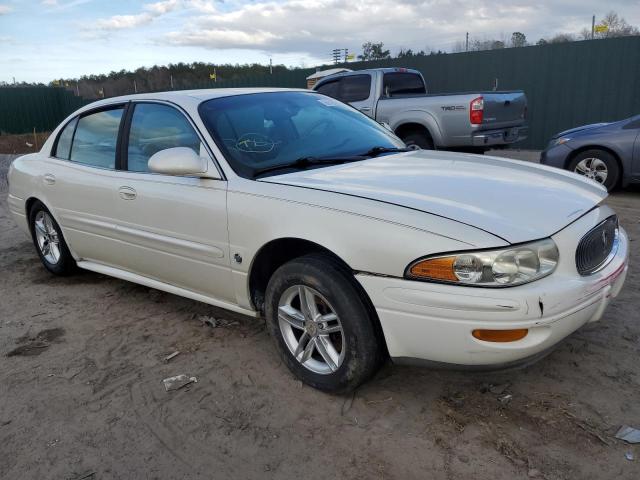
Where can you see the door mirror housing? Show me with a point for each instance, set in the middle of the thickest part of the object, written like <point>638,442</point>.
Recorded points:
<point>180,161</point>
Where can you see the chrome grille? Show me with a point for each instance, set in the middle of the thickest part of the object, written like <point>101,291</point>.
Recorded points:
<point>597,247</point>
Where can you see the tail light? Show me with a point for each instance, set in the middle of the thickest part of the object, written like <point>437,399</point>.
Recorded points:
<point>476,111</point>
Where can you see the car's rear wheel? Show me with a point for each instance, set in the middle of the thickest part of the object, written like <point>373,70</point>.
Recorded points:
<point>598,165</point>
<point>418,140</point>
<point>49,242</point>
<point>321,324</point>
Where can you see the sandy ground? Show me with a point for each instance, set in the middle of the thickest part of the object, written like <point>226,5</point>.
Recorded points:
<point>81,394</point>
<point>26,143</point>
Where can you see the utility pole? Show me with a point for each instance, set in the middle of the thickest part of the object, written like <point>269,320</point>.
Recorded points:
<point>466,43</point>
<point>171,81</point>
<point>336,55</point>
<point>593,27</point>
<point>135,87</point>
<point>346,55</point>
<point>77,89</point>
<point>270,66</point>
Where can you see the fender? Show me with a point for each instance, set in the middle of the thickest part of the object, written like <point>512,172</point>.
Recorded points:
<point>421,117</point>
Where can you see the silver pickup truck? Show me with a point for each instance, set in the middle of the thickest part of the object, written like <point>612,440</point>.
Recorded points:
<point>470,121</point>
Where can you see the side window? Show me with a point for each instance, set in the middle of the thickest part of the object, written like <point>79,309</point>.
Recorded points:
<point>403,83</point>
<point>96,139</point>
<point>355,88</point>
<point>63,147</point>
<point>156,127</point>
<point>330,89</point>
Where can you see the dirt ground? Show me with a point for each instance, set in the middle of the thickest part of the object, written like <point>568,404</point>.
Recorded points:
<point>27,143</point>
<point>81,393</point>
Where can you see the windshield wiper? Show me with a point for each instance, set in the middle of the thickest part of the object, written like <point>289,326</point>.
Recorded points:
<point>375,151</point>
<point>305,162</point>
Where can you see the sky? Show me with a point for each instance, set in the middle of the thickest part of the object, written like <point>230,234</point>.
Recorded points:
<point>41,40</point>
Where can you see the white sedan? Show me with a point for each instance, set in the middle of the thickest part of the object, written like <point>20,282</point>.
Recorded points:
<point>290,205</point>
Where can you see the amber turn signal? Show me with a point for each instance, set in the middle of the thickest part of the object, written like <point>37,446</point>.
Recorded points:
<point>500,335</point>
<point>435,268</point>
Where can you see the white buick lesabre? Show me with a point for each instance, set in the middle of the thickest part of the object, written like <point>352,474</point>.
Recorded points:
<point>290,205</point>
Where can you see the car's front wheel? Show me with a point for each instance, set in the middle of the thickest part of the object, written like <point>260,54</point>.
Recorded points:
<point>321,324</point>
<point>49,242</point>
<point>598,165</point>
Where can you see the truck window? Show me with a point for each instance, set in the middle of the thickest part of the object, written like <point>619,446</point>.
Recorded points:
<point>403,83</point>
<point>330,89</point>
<point>355,88</point>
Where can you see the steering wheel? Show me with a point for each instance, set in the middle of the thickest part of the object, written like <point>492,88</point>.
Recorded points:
<point>322,122</point>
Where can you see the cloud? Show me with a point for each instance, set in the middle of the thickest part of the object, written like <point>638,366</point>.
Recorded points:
<point>4,9</point>
<point>316,27</point>
<point>56,5</point>
<point>150,13</point>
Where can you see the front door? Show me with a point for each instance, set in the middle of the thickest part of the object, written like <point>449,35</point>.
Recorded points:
<point>172,228</point>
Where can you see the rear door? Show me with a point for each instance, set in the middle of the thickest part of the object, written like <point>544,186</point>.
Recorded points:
<point>402,84</point>
<point>79,182</point>
<point>173,228</point>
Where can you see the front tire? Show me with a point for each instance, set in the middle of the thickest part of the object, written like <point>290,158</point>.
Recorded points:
<point>598,165</point>
<point>321,325</point>
<point>49,241</point>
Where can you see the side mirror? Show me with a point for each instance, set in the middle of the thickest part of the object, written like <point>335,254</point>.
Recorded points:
<point>178,161</point>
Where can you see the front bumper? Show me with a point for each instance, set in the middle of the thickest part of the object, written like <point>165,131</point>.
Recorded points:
<point>433,322</point>
<point>501,136</point>
<point>555,156</point>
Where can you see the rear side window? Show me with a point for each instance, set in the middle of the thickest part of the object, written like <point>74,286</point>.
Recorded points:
<point>63,147</point>
<point>156,127</point>
<point>403,83</point>
<point>355,88</point>
<point>330,89</point>
<point>96,139</point>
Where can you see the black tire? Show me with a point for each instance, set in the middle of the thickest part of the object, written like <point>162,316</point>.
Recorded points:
<point>65,265</point>
<point>418,139</point>
<point>613,169</point>
<point>362,344</point>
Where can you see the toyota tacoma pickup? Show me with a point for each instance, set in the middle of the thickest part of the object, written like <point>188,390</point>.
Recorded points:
<point>471,121</point>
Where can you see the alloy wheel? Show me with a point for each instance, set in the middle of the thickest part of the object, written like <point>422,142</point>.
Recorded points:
<point>47,237</point>
<point>593,168</point>
<point>311,329</point>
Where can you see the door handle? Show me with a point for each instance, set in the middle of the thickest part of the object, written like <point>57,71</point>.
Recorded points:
<point>365,109</point>
<point>127,193</point>
<point>49,179</point>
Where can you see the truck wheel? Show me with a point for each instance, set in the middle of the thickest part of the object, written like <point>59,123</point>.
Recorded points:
<point>418,139</point>
<point>598,165</point>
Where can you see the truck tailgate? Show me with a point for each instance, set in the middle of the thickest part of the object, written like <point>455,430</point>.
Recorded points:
<point>503,109</point>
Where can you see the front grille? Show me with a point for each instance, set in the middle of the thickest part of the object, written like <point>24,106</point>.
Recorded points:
<point>597,246</point>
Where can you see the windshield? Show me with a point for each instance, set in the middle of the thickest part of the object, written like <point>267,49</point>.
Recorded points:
<point>261,130</point>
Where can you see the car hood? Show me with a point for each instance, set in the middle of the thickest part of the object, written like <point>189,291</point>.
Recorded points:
<point>581,129</point>
<point>516,201</point>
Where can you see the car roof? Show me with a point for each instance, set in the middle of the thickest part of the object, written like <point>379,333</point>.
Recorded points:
<point>191,96</point>
<point>334,76</point>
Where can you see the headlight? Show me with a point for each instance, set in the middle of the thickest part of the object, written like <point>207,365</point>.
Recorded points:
<point>504,267</point>
<point>559,141</point>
